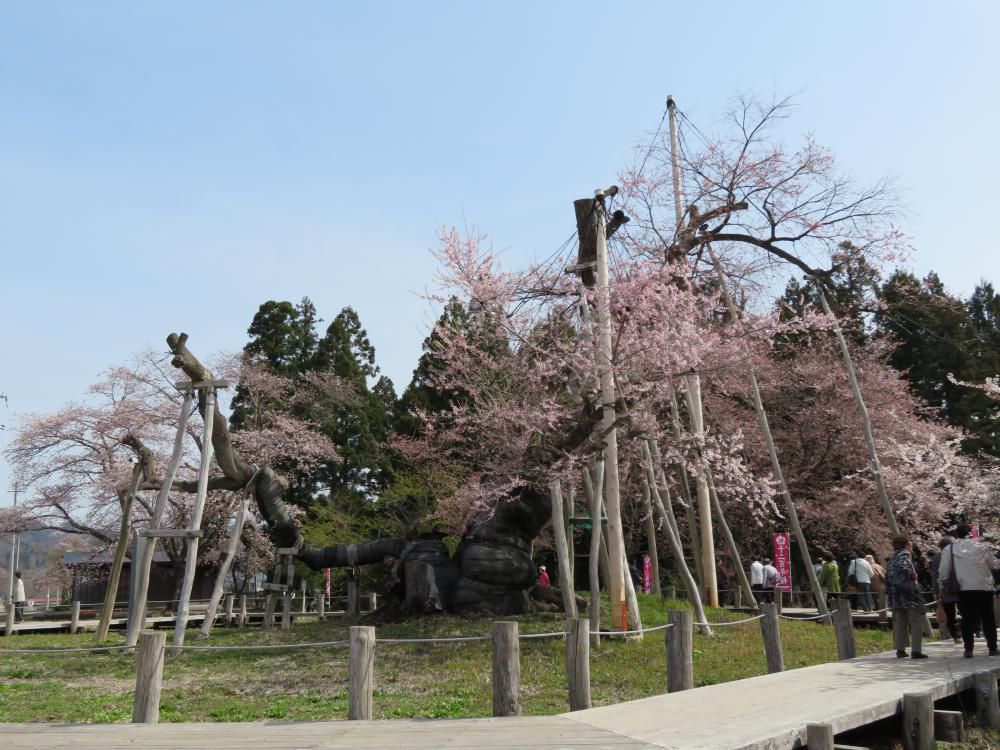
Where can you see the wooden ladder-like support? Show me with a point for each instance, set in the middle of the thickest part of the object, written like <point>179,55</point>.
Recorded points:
<point>286,564</point>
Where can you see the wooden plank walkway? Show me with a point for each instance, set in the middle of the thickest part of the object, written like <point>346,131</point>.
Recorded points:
<point>760,713</point>
<point>57,626</point>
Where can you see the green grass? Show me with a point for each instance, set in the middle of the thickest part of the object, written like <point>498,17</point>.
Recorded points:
<point>411,681</point>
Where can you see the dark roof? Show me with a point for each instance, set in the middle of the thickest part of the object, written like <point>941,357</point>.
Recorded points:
<point>104,558</point>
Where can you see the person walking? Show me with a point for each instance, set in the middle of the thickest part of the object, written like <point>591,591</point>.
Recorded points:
<point>829,580</point>
<point>756,578</point>
<point>904,600</point>
<point>973,563</point>
<point>862,573</point>
<point>19,597</point>
<point>948,598</point>
<point>770,582</point>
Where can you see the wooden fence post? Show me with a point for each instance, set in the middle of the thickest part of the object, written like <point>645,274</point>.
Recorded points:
<point>359,691</point>
<point>987,703</point>
<point>671,592</point>
<point>680,660</point>
<point>578,662</point>
<point>883,606</point>
<point>778,600</point>
<point>322,607</point>
<point>303,596</point>
<point>918,722</point>
<point>148,677</point>
<point>771,634</point>
<point>353,594</point>
<point>230,598</point>
<point>74,616</point>
<point>506,670</point>
<point>286,604</point>
<point>844,627</point>
<point>374,600</point>
<point>819,736</point>
<point>9,626</point>
<point>242,621</point>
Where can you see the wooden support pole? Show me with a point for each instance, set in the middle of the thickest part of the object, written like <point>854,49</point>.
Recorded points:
<point>227,561</point>
<point>141,567</point>
<point>680,650</point>
<point>779,600</point>
<point>303,596</point>
<point>819,736</point>
<point>191,560</point>
<point>353,594</point>
<point>242,621</point>
<point>949,726</point>
<point>918,722</point>
<point>843,624</point>
<point>148,677</point>
<point>883,607</point>
<point>9,625</point>
<point>711,583</point>
<point>230,599</point>
<point>771,633</point>
<point>119,559</point>
<point>987,702</point>
<point>852,378</point>
<point>286,603</point>
<point>593,495</point>
<point>506,669</point>
<point>362,668</point>
<point>634,619</point>
<point>654,556</point>
<point>734,551</point>
<point>322,606</point>
<point>578,663</point>
<point>74,616</point>
<point>562,551</point>
<point>686,496</point>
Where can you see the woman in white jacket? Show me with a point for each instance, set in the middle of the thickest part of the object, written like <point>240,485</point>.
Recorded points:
<point>973,563</point>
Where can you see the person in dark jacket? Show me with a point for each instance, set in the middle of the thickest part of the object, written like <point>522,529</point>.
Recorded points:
<point>974,563</point>
<point>904,599</point>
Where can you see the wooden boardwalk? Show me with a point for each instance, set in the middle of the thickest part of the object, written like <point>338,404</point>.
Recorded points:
<point>760,713</point>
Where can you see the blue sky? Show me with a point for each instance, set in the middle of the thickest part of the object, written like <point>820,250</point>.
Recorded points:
<point>170,166</point>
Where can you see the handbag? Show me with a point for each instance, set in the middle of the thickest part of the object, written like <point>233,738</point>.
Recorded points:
<point>950,585</point>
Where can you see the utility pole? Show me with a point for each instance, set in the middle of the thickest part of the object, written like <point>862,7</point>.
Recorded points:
<point>592,228</point>
<point>13,553</point>
<point>693,395</point>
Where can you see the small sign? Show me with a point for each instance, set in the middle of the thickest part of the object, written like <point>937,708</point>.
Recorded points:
<point>783,560</point>
<point>647,574</point>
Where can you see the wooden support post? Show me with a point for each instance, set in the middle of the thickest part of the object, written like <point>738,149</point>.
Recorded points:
<point>148,677</point>
<point>844,626</point>
<point>242,622</point>
<point>373,599</point>
<point>592,489</point>
<point>303,596</point>
<point>227,560</point>
<point>578,663</point>
<point>269,603</point>
<point>918,721</point>
<point>987,705</point>
<point>883,606</point>
<point>230,599</point>
<point>711,584</point>
<point>671,592</point>
<point>566,587</point>
<point>949,726</point>
<point>771,633</point>
<point>819,736</point>
<point>654,556</point>
<point>779,600</point>
<point>286,609</point>
<point>727,535</point>
<point>119,559</point>
<point>506,669</point>
<point>74,616</point>
<point>141,567</point>
<point>322,606</point>
<point>191,559</point>
<point>9,625</point>
<point>738,598</point>
<point>353,594</point>
<point>362,669</point>
<point>680,659</point>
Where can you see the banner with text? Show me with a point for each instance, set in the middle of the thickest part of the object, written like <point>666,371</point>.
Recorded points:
<point>783,560</point>
<point>647,574</point>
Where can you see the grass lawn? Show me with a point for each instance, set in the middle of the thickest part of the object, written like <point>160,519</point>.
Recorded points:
<point>411,681</point>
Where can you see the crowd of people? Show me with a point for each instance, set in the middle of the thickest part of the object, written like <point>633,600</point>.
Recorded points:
<point>964,575</point>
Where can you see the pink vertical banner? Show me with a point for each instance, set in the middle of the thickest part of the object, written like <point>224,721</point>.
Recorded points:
<point>327,583</point>
<point>647,574</point>
<point>783,560</point>
<point>974,530</point>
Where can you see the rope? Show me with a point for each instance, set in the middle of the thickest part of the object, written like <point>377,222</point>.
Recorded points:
<point>453,639</point>
<point>735,622</point>
<point>805,619</point>
<point>102,649</point>
<point>558,634</point>
<point>266,646</point>
<point>632,632</point>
